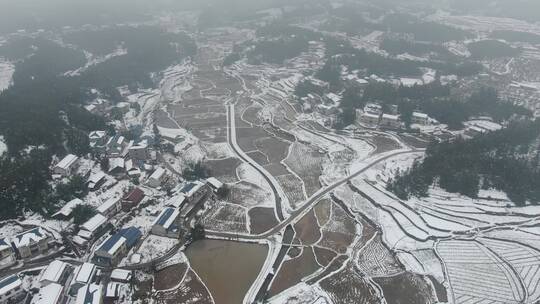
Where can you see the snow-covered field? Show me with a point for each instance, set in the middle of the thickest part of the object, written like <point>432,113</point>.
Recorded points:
<point>6,73</point>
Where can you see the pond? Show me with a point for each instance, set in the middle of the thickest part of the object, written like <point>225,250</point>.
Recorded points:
<point>227,268</point>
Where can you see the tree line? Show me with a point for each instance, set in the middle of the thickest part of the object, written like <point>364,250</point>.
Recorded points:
<point>505,160</point>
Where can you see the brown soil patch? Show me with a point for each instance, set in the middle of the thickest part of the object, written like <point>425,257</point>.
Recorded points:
<point>169,277</point>
<point>293,271</point>
<point>348,287</point>
<point>336,241</point>
<point>322,211</point>
<point>405,288</point>
<point>324,256</point>
<point>307,229</point>
<point>262,220</point>
<point>192,290</point>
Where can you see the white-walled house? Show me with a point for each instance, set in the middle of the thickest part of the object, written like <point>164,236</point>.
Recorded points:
<point>66,166</point>
<point>7,255</point>
<point>31,243</point>
<point>11,290</point>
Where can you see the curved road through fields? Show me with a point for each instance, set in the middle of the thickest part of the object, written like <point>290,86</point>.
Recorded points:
<point>296,214</point>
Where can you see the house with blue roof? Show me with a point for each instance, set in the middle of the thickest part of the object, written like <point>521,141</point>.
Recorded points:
<point>116,247</point>
<point>168,224</point>
<point>7,255</point>
<point>11,290</point>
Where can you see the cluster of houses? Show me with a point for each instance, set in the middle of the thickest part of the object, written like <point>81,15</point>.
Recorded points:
<point>27,245</point>
<point>125,159</point>
<point>62,282</point>
<point>83,283</point>
<point>372,115</point>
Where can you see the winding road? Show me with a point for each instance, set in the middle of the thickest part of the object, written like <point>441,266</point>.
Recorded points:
<point>300,212</point>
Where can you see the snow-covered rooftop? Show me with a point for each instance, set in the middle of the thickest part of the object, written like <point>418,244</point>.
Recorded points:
<point>67,162</point>
<point>110,203</point>
<point>89,294</point>
<point>29,237</point>
<point>167,217</point>
<point>68,207</point>
<point>121,275</point>
<point>214,182</point>
<point>158,174</point>
<point>94,223</point>
<point>85,273</point>
<point>50,294</point>
<point>53,272</point>
<point>9,283</point>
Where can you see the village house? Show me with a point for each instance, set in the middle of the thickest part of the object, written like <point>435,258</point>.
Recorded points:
<point>57,272</point>
<point>133,168</point>
<point>117,147</point>
<point>132,199</point>
<point>138,152</point>
<point>176,201</point>
<point>116,247</point>
<point>111,207</point>
<point>11,290</point>
<point>368,119</point>
<point>84,275</point>
<point>66,166</point>
<point>419,118</point>
<point>98,140</point>
<point>7,255</point>
<point>96,180</point>
<point>215,184</point>
<point>332,99</point>
<point>93,227</point>
<point>196,194</point>
<point>390,121</point>
<point>49,294</point>
<point>31,243</point>
<point>65,212</point>
<point>373,108</point>
<point>113,292</point>
<point>121,275</point>
<point>117,167</point>
<point>90,294</point>
<point>168,223</point>
<point>157,178</point>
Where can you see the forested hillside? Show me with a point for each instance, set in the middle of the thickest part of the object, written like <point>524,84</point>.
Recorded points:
<point>507,160</point>
<point>41,112</point>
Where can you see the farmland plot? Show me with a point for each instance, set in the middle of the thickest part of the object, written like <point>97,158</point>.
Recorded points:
<point>226,217</point>
<point>274,148</point>
<point>377,260</point>
<point>224,169</point>
<point>191,291</point>
<point>406,288</point>
<point>306,163</point>
<point>339,232</point>
<point>307,229</point>
<point>251,115</point>
<point>525,261</point>
<point>249,195</point>
<point>348,287</point>
<point>292,186</point>
<point>293,271</point>
<point>476,274</point>
<point>261,220</point>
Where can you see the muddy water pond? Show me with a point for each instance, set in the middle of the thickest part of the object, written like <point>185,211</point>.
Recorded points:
<point>227,268</point>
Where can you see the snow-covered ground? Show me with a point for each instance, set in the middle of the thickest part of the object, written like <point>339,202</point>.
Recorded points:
<point>6,73</point>
<point>3,146</point>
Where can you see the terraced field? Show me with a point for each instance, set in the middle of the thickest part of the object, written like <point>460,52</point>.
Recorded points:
<point>477,274</point>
